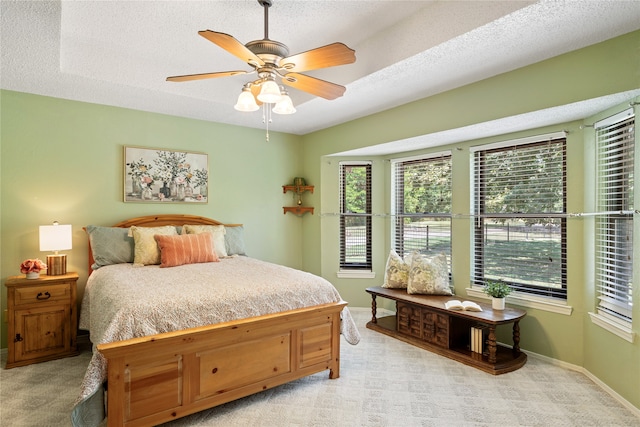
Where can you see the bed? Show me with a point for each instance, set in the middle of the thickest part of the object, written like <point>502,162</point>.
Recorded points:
<point>169,342</point>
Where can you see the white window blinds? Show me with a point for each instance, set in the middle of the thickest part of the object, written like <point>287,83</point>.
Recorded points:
<point>520,216</point>
<point>355,216</point>
<point>615,139</point>
<point>422,205</point>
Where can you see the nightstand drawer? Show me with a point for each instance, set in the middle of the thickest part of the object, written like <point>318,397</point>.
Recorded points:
<point>42,294</point>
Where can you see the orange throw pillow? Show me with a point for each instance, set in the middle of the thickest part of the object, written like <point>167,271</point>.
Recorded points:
<point>186,249</point>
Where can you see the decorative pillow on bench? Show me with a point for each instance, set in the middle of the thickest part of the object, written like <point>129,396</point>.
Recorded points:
<point>396,274</point>
<point>429,275</point>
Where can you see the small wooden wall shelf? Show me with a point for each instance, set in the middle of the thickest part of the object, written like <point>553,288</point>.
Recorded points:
<point>298,210</point>
<point>298,189</point>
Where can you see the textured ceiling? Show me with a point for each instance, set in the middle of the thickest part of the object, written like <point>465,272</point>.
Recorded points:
<point>120,52</point>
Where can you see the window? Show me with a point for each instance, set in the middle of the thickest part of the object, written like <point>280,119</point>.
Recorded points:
<point>355,216</point>
<point>520,215</point>
<point>615,141</point>
<point>422,205</point>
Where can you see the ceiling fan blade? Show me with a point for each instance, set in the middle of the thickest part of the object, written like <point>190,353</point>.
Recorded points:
<point>314,86</point>
<point>322,57</point>
<point>203,76</point>
<point>233,46</point>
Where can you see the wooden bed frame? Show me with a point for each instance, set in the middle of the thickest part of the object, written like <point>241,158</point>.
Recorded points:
<point>163,377</point>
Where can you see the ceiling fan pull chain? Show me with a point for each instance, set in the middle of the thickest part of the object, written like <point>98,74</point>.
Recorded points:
<point>266,117</point>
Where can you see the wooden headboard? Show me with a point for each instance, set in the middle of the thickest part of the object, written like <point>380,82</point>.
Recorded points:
<point>162,220</point>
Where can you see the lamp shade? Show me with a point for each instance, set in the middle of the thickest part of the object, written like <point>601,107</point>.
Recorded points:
<point>285,105</point>
<point>246,101</point>
<point>270,92</point>
<point>55,237</point>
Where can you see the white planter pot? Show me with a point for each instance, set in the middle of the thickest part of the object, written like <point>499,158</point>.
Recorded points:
<point>498,303</point>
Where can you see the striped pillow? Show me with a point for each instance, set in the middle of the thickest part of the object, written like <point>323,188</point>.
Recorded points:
<point>186,249</point>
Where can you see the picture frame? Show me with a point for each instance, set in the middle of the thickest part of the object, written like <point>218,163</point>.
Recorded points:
<point>158,175</point>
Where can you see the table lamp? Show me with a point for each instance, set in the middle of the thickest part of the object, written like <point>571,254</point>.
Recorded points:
<point>55,238</point>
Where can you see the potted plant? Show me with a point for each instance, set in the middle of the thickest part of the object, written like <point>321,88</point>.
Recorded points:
<point>497,290</point>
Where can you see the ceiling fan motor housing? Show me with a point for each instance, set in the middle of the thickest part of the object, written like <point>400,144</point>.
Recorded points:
<point>270,51</point>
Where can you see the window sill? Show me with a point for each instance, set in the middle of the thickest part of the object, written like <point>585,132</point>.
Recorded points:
<point>544,304</point>
<point>613,327</point>
<point>356,274</point>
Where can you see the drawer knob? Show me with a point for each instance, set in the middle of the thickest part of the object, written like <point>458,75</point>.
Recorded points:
<point>42,296</point>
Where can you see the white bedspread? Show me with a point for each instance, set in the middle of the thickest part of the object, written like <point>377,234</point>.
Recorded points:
<point>122,301</point>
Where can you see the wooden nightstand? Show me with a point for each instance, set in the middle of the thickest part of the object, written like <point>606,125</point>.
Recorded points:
<point>43,321</point>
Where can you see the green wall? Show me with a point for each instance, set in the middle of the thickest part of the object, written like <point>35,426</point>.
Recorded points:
<point>603,69</point>
<point>63,160</point>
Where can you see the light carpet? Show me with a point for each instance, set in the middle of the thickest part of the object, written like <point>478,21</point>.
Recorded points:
<point>383,382</point>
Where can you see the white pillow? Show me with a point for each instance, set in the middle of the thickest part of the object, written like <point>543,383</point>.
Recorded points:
<point>429,275</point>
<point>145,250</point>
<point>396,273</point>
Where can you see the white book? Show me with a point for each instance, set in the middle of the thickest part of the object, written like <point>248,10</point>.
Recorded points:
<point>474,340</point>
<point>455,304</point>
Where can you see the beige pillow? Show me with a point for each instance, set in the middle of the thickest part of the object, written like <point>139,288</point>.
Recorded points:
<point>146,251</point>
<point>429,275</point>
<point>396,273</point>
<point>218,232</point>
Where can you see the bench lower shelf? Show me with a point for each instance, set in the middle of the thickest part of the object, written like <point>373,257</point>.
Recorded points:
<point>506,359</point>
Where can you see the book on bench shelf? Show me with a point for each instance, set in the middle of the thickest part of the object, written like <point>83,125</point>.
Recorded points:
<point>479,336</point>
<point>455,304</point>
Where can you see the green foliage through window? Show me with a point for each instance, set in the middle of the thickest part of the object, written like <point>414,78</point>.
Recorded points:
<point>355,216</point>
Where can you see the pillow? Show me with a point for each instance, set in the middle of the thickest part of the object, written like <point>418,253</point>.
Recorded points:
<point>146,250</point>
<point>429,275</point>
<point>234,240</point>
<point>109,245</point>
<point>218,232</point>
<point>186,249</point>
<point>396,274</point>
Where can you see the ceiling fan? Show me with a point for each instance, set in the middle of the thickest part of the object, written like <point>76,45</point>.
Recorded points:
<point>270,60</point>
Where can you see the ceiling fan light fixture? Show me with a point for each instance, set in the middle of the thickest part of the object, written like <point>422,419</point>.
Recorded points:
<point>271,60</point>
<point>270,92</point>
<point>246,101</point>
<point>285,105</point>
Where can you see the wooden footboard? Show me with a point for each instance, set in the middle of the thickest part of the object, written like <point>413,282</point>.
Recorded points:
<point>162,377</point>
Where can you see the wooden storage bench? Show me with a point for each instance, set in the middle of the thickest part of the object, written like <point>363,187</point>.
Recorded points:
<point>422,320</point>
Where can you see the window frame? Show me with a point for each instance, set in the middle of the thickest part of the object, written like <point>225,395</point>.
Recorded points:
<point>524,290</point>
<point>398,201</point>
<point>367,265</point>
<point>614,207</point>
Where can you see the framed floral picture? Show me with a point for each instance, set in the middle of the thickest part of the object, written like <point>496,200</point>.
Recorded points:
<point>165,176</point>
